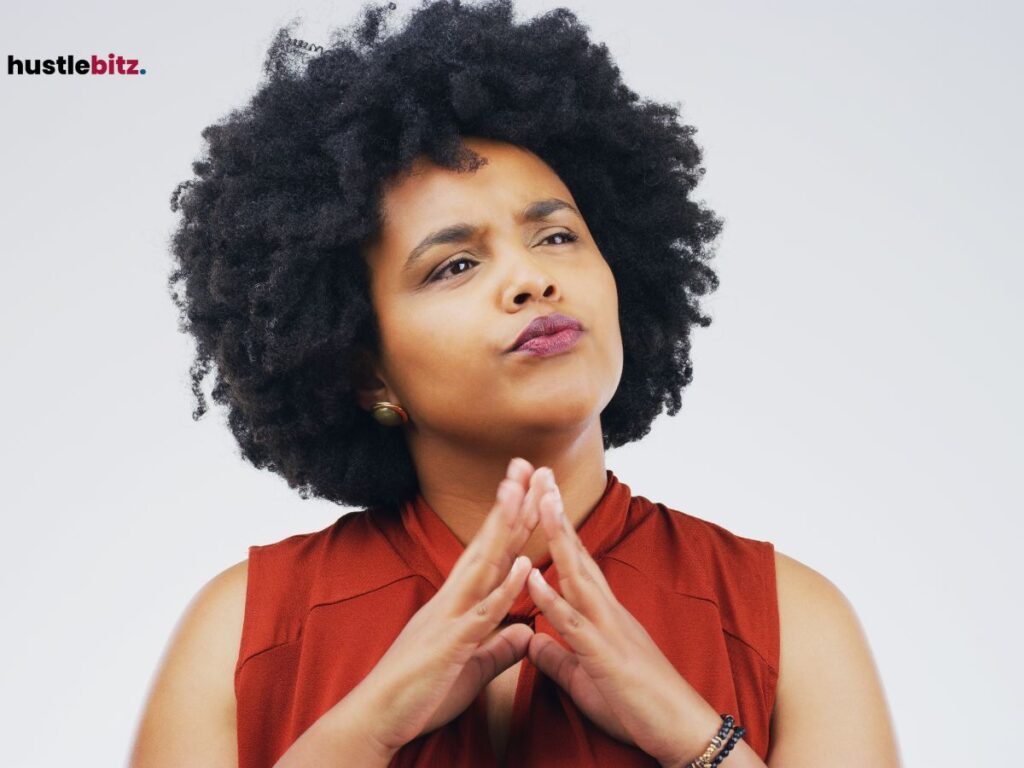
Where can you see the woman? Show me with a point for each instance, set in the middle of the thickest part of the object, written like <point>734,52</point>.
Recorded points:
<point>439,274</point>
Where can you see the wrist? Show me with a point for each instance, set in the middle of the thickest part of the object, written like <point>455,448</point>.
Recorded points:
<point>339,735</point>
<point>697,736</point>
<point>359,713</point>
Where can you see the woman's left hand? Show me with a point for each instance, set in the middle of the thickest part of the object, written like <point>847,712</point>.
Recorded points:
<point>615,673</point>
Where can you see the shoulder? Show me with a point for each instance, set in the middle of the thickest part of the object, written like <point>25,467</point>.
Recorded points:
<point>215,613</point>
<point>190,713</point>
<point>209,631</point>
<point>797,583</point>
<point>829,698</point>
<point>816,618</point>
<point>227,584</point>
<point>225,594</point>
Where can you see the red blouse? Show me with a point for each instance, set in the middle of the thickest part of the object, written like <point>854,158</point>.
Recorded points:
<point>322,608</point>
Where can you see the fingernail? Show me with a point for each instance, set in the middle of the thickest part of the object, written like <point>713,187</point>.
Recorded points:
<point>539,580</point>
<point>510,467</point>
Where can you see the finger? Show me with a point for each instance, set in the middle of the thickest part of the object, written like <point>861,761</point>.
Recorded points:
<point>579,577</point>
<point>521,534</point>
<point>517,476</point>
<point>581,553</point>
<point>548,655</point>
<point>489,555</point>
<point>577,629</point>
<point>501,651</point>
<point>524,473</point>
<point>538,483</point>
<point>520,470</point>
<point>480,620</point>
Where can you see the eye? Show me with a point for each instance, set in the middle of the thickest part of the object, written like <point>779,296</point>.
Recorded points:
<point>441,272</point>
<point>570,237</point>
<point>436,276</point>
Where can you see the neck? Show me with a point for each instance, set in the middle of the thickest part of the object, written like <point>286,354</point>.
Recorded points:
<point>460,484</point>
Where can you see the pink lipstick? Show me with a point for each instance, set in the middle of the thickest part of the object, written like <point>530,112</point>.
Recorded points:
<point>548,335</point>
<point>550,344</point>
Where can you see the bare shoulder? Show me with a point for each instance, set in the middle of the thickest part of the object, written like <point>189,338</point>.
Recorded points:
<point>189,717</point>
<point>830,699</point>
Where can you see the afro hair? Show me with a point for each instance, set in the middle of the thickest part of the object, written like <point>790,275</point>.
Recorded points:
<point>269,274</point>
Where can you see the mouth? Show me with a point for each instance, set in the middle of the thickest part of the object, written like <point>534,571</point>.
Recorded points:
<point>548,334</point>
<point>549,344</point>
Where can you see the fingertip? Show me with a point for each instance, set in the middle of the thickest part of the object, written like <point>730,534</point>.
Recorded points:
<point>519,470</point>
<point>520,466</point>
<point>538,581</point>
<point>518,566</point>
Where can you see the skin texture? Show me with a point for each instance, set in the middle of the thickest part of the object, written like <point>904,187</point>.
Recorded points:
<point>471,405</point>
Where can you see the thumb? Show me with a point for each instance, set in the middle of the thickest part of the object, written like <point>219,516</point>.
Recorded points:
<point>548,655</point>
<point>501,650</point>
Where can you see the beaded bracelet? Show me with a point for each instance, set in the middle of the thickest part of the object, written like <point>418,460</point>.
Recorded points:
<point>704,761</point>
<point>728,747</point>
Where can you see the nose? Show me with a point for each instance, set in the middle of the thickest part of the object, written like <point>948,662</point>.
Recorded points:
<point>528,279</point>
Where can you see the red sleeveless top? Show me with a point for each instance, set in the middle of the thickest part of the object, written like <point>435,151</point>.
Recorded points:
<point>322,608</point>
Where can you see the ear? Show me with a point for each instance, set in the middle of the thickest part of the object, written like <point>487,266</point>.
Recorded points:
<point>367,383</point>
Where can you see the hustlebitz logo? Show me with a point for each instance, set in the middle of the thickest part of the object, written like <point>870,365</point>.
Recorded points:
<point>72,65</point>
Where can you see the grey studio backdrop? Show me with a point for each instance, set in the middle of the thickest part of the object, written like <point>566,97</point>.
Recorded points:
<point>856,400</point>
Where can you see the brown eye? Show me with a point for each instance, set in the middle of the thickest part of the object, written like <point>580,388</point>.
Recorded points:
<point>443,269</point>
<point>570,237</point>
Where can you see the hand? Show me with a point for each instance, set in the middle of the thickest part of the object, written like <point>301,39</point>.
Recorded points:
<point>615,673</point>
<point>449,650</point>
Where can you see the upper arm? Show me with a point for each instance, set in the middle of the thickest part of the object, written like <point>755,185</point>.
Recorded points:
<point>830,704</point>
<point>189,718</point>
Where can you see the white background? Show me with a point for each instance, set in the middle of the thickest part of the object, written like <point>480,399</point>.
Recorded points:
<point>857,400</point>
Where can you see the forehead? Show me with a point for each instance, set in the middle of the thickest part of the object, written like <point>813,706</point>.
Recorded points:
<point>431,196</point>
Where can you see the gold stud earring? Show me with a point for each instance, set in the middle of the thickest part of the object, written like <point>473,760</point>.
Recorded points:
<point>389,414</point>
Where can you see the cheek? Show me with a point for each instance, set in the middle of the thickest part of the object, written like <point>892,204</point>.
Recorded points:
<point>606,307</point>
<point>603,300</point>
<point>432,352</point>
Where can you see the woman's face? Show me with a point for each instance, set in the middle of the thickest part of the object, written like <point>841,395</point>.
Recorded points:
<point>448,316</point>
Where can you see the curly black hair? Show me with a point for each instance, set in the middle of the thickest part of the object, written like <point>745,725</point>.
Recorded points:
<point>269,271</point>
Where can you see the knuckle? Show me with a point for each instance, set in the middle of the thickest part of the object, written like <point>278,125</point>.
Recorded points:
<point>499,564</point>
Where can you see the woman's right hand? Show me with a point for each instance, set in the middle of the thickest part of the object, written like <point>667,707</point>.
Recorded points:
<point>449,650</point>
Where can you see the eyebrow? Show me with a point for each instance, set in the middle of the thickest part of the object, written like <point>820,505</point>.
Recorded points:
<point>459,233</point>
